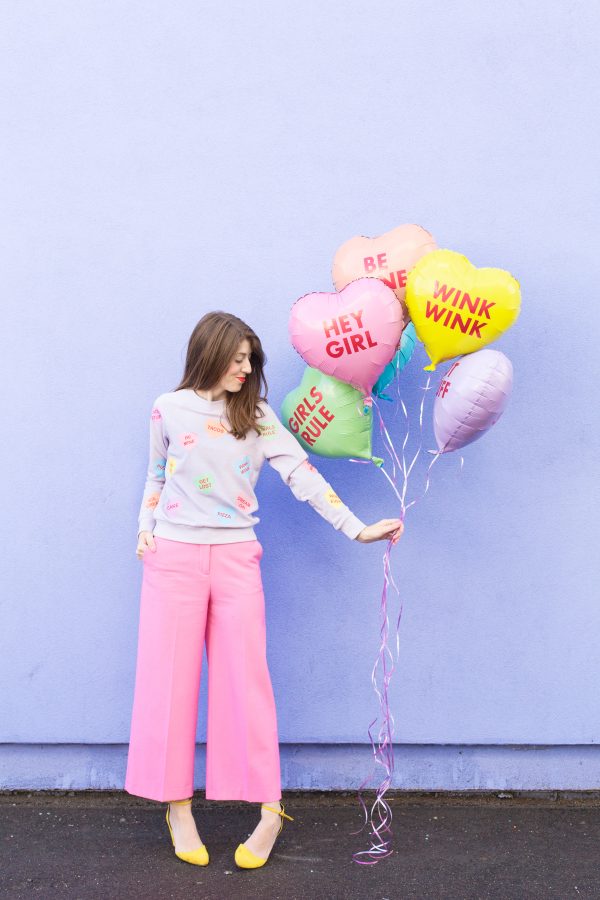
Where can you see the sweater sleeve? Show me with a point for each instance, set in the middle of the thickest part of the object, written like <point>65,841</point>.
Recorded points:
<point>286,456</point>
<point>155,478</point>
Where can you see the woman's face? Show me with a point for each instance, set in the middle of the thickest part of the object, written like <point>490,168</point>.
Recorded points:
<point>234,378</point>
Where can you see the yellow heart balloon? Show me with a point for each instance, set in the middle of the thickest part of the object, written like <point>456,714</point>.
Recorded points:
<point>457,308</point>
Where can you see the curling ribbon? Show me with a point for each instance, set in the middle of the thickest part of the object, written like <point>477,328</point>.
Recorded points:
<point>379,816</point>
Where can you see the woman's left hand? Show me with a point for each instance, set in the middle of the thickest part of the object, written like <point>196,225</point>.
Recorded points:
<point>385,529</point>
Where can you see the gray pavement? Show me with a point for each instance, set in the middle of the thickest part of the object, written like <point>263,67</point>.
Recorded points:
<point>109,845</point>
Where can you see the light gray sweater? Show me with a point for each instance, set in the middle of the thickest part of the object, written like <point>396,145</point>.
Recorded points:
<point>200,482</point>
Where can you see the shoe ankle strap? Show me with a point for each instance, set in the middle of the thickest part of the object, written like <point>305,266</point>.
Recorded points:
<point>180,802</point>
<point>280,812</point>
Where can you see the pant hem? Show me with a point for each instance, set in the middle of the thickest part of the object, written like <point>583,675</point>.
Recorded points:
<point>146,795</point>
<point>229,797</point>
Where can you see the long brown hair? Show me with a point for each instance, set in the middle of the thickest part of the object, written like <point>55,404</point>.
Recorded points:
<point>212,346</point>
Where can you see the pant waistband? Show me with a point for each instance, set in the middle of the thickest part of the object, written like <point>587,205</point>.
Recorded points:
<point>201,534</point>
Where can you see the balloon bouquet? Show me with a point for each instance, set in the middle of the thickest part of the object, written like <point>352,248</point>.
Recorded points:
<point>391,291</point>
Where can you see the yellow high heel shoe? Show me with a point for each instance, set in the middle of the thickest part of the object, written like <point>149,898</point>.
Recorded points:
<point>198,857</point>
<point>244,858</point>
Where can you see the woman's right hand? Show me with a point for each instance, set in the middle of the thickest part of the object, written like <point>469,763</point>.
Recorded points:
<point>384,530</point>
<point>145,542</point>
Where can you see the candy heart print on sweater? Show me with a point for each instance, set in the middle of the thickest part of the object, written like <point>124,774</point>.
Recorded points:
<point>352,334</point>
<point>389,257</point>
<point>457,308</point>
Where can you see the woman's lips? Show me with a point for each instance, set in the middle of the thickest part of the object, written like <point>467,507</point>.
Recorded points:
<point>240,379</point>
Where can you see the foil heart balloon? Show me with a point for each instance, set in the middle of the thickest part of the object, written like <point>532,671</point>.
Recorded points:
<point>389,257</point>
<point>351,335</point>
<point>471,398</point>
<point>457,308</point>
<point>401,358</point>
<point>326,416</point>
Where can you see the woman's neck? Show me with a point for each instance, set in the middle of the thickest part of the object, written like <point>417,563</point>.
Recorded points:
<point>211,395</point>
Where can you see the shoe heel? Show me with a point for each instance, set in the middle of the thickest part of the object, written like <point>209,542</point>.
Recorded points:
<point>198,857</point>
<point>244,858</point>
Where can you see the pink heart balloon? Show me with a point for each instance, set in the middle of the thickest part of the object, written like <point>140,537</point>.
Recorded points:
<point>352,334</point>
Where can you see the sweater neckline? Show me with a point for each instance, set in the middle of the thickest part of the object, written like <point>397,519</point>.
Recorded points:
<point>214,406</point>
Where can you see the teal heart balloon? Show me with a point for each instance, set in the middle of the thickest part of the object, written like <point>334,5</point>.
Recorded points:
<point>327,417</point>
<point>402,356</point>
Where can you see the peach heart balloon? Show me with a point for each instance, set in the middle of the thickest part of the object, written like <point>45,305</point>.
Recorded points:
<point>389,257</point>
<point>351,335</point>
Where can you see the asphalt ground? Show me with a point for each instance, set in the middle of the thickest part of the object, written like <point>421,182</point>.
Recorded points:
<point>92,845</point>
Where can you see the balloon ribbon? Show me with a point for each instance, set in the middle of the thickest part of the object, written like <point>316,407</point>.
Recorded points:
<point>379,816</point>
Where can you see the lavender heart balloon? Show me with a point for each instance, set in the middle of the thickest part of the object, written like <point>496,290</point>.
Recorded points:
<point>471,398</point>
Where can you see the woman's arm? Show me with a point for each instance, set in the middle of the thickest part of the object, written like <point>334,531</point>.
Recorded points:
<point>155,477</point>
<point>307,484</point>
<point>286,456</point>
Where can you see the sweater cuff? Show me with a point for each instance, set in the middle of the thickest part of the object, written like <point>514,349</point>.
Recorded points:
<point>352,527</point>
<point>146,525</point>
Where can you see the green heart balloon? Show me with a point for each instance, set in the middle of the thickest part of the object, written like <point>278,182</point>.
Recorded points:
<point>328,417</point>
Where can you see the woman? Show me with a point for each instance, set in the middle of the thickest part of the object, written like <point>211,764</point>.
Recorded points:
<point>202,583</point>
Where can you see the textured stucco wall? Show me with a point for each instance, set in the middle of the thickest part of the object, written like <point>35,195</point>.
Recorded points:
<point>166,159</point>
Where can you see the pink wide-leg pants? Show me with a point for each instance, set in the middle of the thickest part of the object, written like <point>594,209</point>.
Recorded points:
<point>192,593</point>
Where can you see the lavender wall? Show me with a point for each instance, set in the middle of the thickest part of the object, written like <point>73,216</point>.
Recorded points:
<point>167,159</point>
